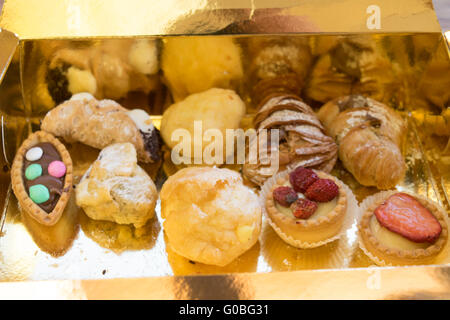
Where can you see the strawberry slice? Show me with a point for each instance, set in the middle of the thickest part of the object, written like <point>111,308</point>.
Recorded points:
<point>404,215</point>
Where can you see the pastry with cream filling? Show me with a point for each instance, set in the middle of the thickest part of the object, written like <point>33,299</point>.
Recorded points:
<point>370,136</point>
<point>106,69</point>
<point>115,188</point>
<point>302,140</point>
<point>307,206</point>
<point>99,123</point>
<point>210,216</point>
<point>403,229</point>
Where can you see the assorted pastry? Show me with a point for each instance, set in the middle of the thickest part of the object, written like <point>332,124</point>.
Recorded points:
<point>105,69</point>
<point>276,65</point>
<point>99,123</point>
<point>115,188</point>
<point>305,206</point>
<point>41,177</point>
<point>197,63</point>
<point>209,215</point>
<point>302,138</point>
<point>370,136</point>
<point>355,64</point>
<point>215,108</point>
<point>400,228</point>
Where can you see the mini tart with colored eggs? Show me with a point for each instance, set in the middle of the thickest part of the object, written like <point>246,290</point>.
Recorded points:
<point>399,228</point>
<point>324,223</point>
<point>41,177</point>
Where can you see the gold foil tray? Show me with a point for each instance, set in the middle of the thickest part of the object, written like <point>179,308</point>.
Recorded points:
<point>110,261</point>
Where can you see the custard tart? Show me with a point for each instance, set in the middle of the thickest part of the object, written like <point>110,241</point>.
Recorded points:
<point>399,228</point>
<point>307,207</point>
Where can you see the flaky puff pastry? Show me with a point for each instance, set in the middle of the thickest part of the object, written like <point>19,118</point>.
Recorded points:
<point>370,136</point>
<point>99,123</point>
<point>116,189</point>
<point>210,216</point>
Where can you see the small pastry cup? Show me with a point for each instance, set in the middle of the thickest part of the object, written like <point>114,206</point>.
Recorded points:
<point>437,253</point>
<point>309,233</point>
<point>23,198</point>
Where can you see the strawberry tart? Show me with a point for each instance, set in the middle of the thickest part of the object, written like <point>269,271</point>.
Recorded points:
<point>307,205</point>
<point>402,229</point>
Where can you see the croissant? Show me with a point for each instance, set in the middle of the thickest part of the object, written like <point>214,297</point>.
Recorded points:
<point>99,123</point>
<point>302,138</point>
<point>370,137</point>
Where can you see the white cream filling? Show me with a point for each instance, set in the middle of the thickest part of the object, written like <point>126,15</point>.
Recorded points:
<point>82,96</point>
<point>81,81</point>
<point>391,239</point>
<point>141,119</point>
<point>143,56</point>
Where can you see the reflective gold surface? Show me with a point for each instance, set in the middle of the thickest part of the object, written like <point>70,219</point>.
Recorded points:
<point>29,19</point>
<point>110,261</point>
<point>431,282</point>
<point>104,249</point>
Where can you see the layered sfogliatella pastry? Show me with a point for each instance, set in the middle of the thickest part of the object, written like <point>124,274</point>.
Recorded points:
<point>370,136</point>
<point>302,140</point>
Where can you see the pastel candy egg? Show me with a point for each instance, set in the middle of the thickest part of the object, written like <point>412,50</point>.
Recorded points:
<point>57,169</point>
<point>33,171</point>
<point>39,193</point>
<point>34,154</point>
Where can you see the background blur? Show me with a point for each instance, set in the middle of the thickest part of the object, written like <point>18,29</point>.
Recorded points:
<point>442,8</point>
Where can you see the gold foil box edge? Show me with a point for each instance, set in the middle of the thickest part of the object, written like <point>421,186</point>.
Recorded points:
<point>45,19</point>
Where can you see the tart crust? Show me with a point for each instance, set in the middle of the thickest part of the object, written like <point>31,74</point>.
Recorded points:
<point>309,230</point>
<point>25,201</point>
<point>398,256</point>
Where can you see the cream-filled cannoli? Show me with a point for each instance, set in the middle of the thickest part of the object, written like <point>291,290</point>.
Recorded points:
<point>99,123</point>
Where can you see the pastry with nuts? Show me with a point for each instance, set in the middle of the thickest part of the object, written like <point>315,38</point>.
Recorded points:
<point>306,206</point>
<point>41,177</point>
<point>401,228</point>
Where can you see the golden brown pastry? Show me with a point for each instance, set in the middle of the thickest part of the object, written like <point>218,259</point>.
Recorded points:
<point>106,69</point>
<point>302,138</point>
<point>116,189</point>
<point>276,64</point>
<point>356,64</point>
<point>99,123</point>
<point>306,206</point>
<point>213,109</point>
<point>196,64</point>
<point>438,124</point>
<point>402,228</point>
<point>370,137</point>
<point>41,177</point>
<point>210,216</point>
